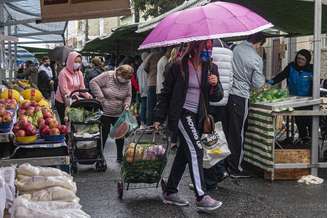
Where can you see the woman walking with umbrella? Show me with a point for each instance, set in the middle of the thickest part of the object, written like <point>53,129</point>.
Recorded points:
<point>188,86</point>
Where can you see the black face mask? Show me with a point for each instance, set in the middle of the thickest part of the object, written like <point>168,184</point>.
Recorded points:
<point>46,65</point>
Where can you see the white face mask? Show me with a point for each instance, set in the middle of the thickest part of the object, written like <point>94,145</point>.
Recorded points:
<point>76,66</point>
<point>122,80</point>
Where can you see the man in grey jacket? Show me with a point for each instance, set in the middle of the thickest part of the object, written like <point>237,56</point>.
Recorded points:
<point>247,74</point>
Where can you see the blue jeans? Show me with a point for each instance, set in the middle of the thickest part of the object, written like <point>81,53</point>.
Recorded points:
<point>151,103</point>
<point>143,110</point>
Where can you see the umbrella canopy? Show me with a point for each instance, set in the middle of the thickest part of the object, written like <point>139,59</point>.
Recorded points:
<point>59,54</point>
<point>214,20</point>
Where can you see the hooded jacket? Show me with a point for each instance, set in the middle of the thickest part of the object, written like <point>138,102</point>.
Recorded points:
<point>299,79</point>
<point>68,79</point>
<point>173,95</point>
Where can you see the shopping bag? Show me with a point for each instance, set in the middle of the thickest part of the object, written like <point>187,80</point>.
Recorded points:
<point>125,124</point>
<point>219,151</point>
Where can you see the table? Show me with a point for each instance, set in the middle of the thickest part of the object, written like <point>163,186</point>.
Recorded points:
<point>263,130</point>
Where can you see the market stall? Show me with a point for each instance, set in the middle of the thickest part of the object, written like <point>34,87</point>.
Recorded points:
<point>270,140</point>
<point>30,191</point>
<point>29,129</point>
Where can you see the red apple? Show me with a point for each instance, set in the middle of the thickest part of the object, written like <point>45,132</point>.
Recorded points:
<point>45,130</point>
<point>29,129</point>
<point>37,108</point>
<point>7,118</point>
<point>16,128</point>
<point>22,118</point>
<point>54,131</point>
<point>34,103</point>
<point>48,120</point>
<point>47,115</point>
<point>20,133</point>
<point>41,122</point>
<point>53,124</point>
<point>2,110</point>
<point>25,105</point>
<point>30,111</point>
<point>63,129</point>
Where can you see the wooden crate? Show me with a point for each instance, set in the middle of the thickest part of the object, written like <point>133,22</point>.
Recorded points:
<point>289,156</point>
<point>292,156</point>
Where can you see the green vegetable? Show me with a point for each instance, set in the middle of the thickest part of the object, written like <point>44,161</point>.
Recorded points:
<point>76,114</point>
<point>268,95</point>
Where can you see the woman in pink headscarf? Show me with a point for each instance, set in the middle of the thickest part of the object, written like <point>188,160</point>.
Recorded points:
<point>69,80</point>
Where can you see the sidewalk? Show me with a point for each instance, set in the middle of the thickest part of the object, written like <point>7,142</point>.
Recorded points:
<point>243,198</point>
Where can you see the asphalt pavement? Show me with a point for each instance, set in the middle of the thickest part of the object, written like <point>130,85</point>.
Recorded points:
<point>254,197</point>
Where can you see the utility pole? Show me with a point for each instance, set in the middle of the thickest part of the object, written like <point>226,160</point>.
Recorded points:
<point>316,84</point>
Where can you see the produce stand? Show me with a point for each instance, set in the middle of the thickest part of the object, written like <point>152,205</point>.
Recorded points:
<point>261,139</point>
<point>39,154</point>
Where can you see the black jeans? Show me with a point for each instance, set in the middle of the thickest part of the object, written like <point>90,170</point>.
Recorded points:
<point>189,152</point>
<point>60,107</point>
<point>107,121</point>
<point>304,124</point>
<point>237,112</point>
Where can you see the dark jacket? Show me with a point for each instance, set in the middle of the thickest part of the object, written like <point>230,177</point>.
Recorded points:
<point>173,95</point>
<point>44,84</point>
<point>92,73</point>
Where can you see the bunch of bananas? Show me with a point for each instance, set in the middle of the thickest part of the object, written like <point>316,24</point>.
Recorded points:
<point>25,84</point>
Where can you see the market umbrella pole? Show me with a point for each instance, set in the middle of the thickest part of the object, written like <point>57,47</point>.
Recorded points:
<point>316,85</point>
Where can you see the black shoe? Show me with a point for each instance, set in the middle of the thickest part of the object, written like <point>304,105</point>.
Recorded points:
<point>223,176</point>
<point>239,175</point>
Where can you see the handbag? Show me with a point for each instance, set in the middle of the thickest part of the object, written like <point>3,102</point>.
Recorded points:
<point>219,151</point>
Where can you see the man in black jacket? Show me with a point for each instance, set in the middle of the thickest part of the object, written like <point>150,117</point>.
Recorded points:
<point>187,89</point>
<point>45,78</point>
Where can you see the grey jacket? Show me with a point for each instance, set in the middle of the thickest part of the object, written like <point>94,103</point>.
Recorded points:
<point>247,70</point>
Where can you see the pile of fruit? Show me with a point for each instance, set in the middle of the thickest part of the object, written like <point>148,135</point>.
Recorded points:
<point>269,95</point>
<point>23,128</point>
<point>144,152</point>
<point>48,125</point>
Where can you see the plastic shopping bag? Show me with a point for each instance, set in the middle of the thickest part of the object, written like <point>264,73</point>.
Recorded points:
<point>125,124</point>
<point>217,152</point>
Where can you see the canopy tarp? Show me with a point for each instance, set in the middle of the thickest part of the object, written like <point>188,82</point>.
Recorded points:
<point>294,17</point>
<point>38,52</point>
<point>25,14</point>
<point>291,16</point>
<point>123,40</point>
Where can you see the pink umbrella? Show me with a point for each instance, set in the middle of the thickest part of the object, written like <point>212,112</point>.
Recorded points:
<point>212,21</point>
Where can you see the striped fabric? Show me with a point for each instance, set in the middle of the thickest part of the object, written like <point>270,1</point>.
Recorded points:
<point>259,139</point>
<point>112,94</point>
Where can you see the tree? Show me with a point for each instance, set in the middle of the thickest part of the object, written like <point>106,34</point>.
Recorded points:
<point>155,7</point>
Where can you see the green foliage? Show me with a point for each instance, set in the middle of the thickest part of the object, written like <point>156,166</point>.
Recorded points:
<point>155,7</point>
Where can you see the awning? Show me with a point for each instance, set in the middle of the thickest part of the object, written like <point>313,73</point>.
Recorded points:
<point>123,40</point>
<point>294,17</point>
<point>24,18</point>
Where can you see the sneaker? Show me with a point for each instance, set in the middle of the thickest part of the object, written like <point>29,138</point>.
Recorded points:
<point>142,127</point>
<point>208,204</point>
<point>239,175</point>
<point>191,187</point>
<point>174,199</point>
